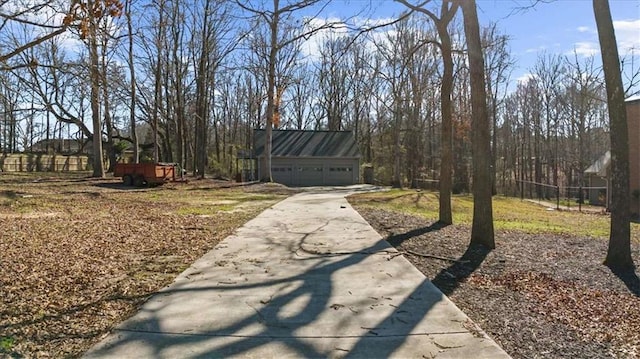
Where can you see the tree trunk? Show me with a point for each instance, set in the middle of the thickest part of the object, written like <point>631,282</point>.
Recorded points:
<point>94,74</point>
<point>397,155</point>
<point>446,164</point>
<point>619,252</point>
<point>158,82</point>
<point>132,73</point>
<point>482,227</point>
<point>271,81</point>
<point>110,145</point>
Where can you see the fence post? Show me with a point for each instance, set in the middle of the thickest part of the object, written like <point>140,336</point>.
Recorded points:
<point>557,197</point>
<point>521,190</point>
<point>580,199</point>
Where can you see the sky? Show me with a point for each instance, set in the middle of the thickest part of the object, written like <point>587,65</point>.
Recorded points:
<point>551,27</point>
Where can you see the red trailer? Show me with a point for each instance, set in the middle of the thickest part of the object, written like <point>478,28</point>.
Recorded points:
<point>140,174</point>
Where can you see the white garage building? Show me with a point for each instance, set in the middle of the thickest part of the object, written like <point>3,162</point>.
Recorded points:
<point>310,158</point>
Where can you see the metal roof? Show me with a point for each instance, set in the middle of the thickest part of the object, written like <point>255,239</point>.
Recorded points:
<point>600,166</point>
<point>298,143</point>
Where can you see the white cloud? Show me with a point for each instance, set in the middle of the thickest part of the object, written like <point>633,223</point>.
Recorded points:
<point>536,49</point>
<point>524,78</point>
<point>340,28</point>
<point>627,35</point>
<point>313,44</point>
<point>585,48</point>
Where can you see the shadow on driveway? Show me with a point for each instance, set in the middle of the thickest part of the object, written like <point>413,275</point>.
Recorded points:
<point>316,284</point>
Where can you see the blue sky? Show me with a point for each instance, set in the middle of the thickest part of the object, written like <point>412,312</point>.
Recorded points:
<point>552,27</point>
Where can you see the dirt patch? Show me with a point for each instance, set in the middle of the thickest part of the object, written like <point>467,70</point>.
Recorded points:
<point>271,188</point>
<point>537,295</point>
<point>32,215</point>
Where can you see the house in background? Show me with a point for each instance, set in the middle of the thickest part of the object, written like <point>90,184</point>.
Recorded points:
<point>597,180</point>
<point>598,173</point>
<point>309,158</point>
<point>61,146</point>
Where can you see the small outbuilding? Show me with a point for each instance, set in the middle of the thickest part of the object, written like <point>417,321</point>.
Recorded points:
<point>598,181</point>
<point>310,158</point>
<point>599,172</point>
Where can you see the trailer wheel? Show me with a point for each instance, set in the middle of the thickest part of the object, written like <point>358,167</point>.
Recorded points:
<point>138,181</point>
<point>127,180</point>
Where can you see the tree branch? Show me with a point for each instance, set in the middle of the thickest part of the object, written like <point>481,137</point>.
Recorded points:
<point>31,44</point>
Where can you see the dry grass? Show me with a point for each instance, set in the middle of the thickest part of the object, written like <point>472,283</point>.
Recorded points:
<point>509,213</point>
<point>80,255</point>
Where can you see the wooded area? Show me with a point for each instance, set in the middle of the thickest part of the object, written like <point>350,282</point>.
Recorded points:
<point>196,76</point>
<point>428,95</point>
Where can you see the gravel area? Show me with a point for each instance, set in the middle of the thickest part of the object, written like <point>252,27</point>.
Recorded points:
<point>537,295</point>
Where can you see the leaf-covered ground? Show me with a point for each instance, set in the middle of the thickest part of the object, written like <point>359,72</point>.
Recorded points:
<point>539,294</point>
<point>79,255</point>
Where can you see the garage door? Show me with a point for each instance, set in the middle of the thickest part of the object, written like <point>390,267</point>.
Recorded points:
<point>340,175</point>
<point>310,175</point>
<point>282,174</point>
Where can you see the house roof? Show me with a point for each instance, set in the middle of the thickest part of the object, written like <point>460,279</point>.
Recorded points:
<point>63,144</point>
<point>600,166</point>
<point>298,143</point>
<point>633,98</point>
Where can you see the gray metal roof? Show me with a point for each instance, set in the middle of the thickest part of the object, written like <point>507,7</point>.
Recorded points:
<point>297,143</point>
<point>600,166</point>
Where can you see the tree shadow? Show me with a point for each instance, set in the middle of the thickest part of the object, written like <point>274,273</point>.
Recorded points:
<point>449,279</point>
<point>629,278</point>
<point>268,322</point>
<point>397,239</point>
<point>121,186</point>
<point>64,313</point>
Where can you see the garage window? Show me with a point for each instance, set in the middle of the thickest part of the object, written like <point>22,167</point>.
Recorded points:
<point>281,169</point>
<point>340,169</point>
<point>310,169</point>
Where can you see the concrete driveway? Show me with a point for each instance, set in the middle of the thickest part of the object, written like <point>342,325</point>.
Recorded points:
<point>306,278</point>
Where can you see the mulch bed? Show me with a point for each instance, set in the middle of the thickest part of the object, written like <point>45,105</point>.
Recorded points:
<point>537,295</point>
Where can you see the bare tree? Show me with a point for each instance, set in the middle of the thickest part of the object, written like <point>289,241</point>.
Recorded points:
<point>498,62</point>
<point>334,81</point>
<point>276,17</point>
<point>619,252</point>
<point>482,226</point>
<point>132,75</point>
<point>447,13</point>
<point>24,14</point>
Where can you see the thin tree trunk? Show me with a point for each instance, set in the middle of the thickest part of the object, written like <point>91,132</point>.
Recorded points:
<point>107,113</point>
<point>158,82</point>
<point>446,164</point>
<point>132,74</point>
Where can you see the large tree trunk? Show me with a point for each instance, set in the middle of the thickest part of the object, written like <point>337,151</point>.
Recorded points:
<point>619,252</point>
<point>271,83</point>
<point>482,227</point>
<point>94,74</point>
